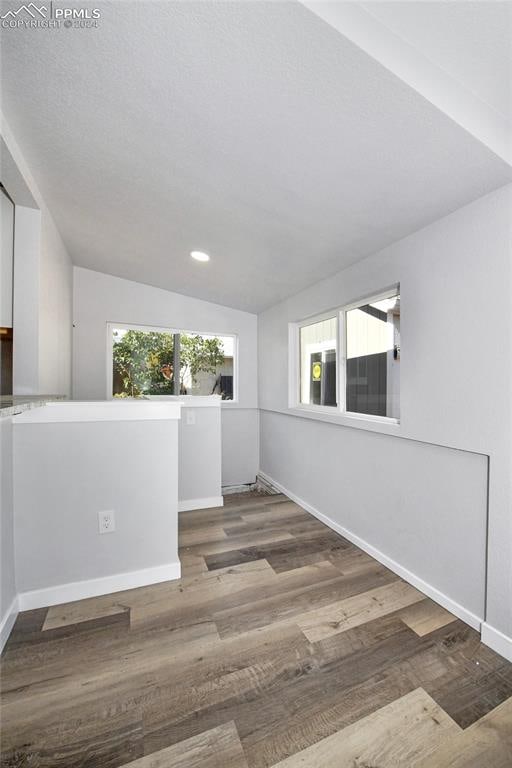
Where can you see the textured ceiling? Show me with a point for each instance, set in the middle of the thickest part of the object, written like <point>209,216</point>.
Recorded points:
<point>471,41</point>
<point>251,130</point>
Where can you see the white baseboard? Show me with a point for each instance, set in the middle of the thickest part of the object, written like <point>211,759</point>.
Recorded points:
<point>78,590</point>
<point>439,597</point>
<point>186,505</point>
<point>496,640</point>
<point>7,622</point>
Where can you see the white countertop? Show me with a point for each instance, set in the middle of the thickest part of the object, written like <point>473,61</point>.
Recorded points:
<point>100,410</point>
<point>10,405</point>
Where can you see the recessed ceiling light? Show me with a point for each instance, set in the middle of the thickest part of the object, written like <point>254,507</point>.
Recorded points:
<point>199,256</point>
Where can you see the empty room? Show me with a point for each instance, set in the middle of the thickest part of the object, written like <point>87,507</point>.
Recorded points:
<point>255,384</point>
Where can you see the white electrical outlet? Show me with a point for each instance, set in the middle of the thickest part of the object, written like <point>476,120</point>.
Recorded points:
<point>106,521</point>
<point>191,416</point>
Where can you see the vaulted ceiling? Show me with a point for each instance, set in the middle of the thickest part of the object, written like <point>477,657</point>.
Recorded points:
<point>255,131</point>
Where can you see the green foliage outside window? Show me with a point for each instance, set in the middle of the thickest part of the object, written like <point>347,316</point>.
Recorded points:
<point>144,361</point>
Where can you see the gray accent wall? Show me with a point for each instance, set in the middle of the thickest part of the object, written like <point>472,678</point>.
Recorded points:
<point>421,505</point>
<point>401,487</point>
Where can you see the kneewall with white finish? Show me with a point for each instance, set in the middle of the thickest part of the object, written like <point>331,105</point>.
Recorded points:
<point>73,461</point>
<point>431,496</point>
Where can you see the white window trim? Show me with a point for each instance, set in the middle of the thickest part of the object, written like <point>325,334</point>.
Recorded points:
<point>159,329</point>
<point>337,413</point>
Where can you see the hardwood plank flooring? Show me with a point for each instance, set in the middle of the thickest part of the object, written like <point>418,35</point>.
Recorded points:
<point>217,748</point>
<point>336,617</point>
<point>402,732</point>
<point>425,617</point>
<point>488,742</point>
<point>281,645</point>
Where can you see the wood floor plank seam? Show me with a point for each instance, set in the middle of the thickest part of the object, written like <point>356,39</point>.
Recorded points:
<point>282,645</point>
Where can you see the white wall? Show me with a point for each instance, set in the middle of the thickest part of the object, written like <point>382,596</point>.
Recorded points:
<point>42,283</point>
<point>42,317</point>
<point>26,310</point>
<point>240,445</point>
<point>55,312</point>
<point>75,470</point>
<point>200,456</point>
<point>6,259</point>
<point>100,299</point>
<point>7,570</point>
<point>456,380</point>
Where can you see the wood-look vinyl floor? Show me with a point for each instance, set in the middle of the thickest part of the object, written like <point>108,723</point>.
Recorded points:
<point>281,645</point>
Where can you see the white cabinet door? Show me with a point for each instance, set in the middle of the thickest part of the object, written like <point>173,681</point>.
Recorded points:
<point>6,259</point>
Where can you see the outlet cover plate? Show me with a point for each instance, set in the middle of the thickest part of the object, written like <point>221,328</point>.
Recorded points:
<point>106,521</point>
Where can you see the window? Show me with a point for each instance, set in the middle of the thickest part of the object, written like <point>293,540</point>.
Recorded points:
<point>144,361</point>
<point>372,377</point>
<point>318,362</point>
<point>364,378</point>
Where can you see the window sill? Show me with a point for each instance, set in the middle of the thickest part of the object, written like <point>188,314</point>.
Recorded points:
<point>383,424</point>
<point>195,401</point>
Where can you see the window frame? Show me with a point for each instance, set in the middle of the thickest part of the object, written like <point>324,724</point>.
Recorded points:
<point>294,390</point>
<point>333,315</point>
<point>166,329</point>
